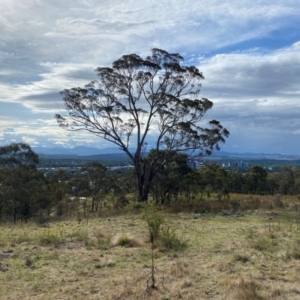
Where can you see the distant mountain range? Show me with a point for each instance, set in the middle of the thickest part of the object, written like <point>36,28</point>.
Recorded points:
<point>77,151</point>
<point>278,156</point>
<point>89,151</point>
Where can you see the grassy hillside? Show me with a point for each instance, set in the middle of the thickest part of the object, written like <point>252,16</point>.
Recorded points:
<point>254,255</point>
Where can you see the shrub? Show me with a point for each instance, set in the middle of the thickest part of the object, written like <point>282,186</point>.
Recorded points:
<point>277,202</point>
<point>170,241</point>
<point>126,241</point>
<point>154,220</point>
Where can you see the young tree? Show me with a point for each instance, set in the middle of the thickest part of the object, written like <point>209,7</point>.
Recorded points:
<point>136,96</point>
<point>97,175</point>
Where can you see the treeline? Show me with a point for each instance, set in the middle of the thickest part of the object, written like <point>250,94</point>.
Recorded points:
<point>109,160</point>
<point>178,182</point>
<point>25,191</point>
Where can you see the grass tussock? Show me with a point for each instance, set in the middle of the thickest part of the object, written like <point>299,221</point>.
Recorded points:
<point>52,237</point>
<point>179,269</point>
<point>241,258</point>
<point>244,289</point>
<point>264,240</point>
<point>125,240</point>
<point>294,250</point>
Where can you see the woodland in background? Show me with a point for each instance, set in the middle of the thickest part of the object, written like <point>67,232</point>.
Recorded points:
<point>25,192</point>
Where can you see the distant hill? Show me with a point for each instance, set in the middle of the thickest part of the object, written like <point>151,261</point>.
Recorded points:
<point>89,151</point>
<point>77,151</point>
<point>278,156</point>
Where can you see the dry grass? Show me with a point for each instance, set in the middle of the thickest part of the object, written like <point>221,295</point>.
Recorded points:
<point>254,256</point>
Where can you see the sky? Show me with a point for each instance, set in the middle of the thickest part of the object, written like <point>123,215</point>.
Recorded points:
<point>248,51</point>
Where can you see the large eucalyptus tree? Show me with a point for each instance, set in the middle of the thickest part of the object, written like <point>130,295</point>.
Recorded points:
<point>135,97</point>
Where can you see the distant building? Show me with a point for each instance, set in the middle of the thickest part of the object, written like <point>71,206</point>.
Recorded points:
<point>226,165</point>
<point>236,164</point>
<point>195,164</point>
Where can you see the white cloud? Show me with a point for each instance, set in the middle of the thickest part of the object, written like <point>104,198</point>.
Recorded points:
<point>46,46</point>
<point>253,89</point>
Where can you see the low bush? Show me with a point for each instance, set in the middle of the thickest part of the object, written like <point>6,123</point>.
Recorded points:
<point>154,220</point>
<point>126,241</point>
<point>276,202</point>
<point>170,241</point>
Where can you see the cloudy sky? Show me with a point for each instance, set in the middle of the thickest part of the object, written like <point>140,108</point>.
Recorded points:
<point>248,51</point>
